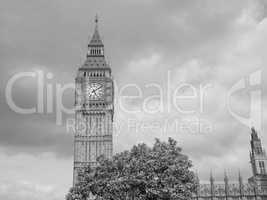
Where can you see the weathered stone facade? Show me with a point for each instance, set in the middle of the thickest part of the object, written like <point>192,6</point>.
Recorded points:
<point>93,107</point>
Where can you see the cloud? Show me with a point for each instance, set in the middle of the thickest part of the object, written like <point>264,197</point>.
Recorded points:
<point>237,58</point>
<point>24,190</point>
<point>24,176</point>
<point>198,42</point>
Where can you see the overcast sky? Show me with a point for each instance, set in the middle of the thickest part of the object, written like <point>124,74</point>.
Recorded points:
<point>202,43</point>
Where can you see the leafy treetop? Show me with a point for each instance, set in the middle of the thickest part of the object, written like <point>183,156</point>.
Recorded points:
<point>143,173</point>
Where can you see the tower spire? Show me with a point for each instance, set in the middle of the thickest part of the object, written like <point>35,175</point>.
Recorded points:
<point>254,134</point>
<point>241,185</point>
<point>96,22</point>
<point>96,19</point>
<point>240,176</point>
<point>258,160</point>
<point>94,103</point>
<point>225,176</point>
<point>96,46</point>
<point>211,177</point>
<point>226,183</point>
<point>211,184</point>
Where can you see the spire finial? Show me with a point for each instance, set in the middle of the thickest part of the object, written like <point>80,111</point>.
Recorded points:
<point>197,177</point>
<point>225,176</point>
<point>225,172</point>
<point>254,133</point>
<point>96,19</point>
<point>239,175</point>
<point>211,176</point>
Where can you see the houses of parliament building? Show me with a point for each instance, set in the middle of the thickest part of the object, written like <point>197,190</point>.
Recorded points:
<point>94,109</point>
<point>253,189</point>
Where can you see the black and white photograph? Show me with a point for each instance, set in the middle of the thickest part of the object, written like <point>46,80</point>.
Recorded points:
<point>133,100</point>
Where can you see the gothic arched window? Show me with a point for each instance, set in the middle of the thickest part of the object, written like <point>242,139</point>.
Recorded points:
<point>262,167</point>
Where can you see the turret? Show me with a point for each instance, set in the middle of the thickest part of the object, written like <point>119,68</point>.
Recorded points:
<point>212,188</point>
<point>258,161</point>
<point>226,184</point>
<point>241,184</point>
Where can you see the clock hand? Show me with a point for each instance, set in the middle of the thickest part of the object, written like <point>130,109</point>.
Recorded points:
<point>94,88</point>
<point>94,91</point>
<point>99,87</point>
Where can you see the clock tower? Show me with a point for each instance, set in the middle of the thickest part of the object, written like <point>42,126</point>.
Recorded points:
<point>94,107</point>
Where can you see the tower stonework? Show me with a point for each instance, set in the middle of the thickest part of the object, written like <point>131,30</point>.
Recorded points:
<point>94,107</point>
<point>258,159</point>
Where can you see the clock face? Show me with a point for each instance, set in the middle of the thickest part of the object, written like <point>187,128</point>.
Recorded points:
<point>95,91</point>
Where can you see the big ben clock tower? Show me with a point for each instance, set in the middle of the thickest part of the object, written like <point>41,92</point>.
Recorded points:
<point>93,107</point>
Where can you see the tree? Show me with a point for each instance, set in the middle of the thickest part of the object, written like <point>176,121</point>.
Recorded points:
<point>144,173</point>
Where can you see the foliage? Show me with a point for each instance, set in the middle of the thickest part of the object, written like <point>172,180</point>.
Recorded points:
<point>145,173</point>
